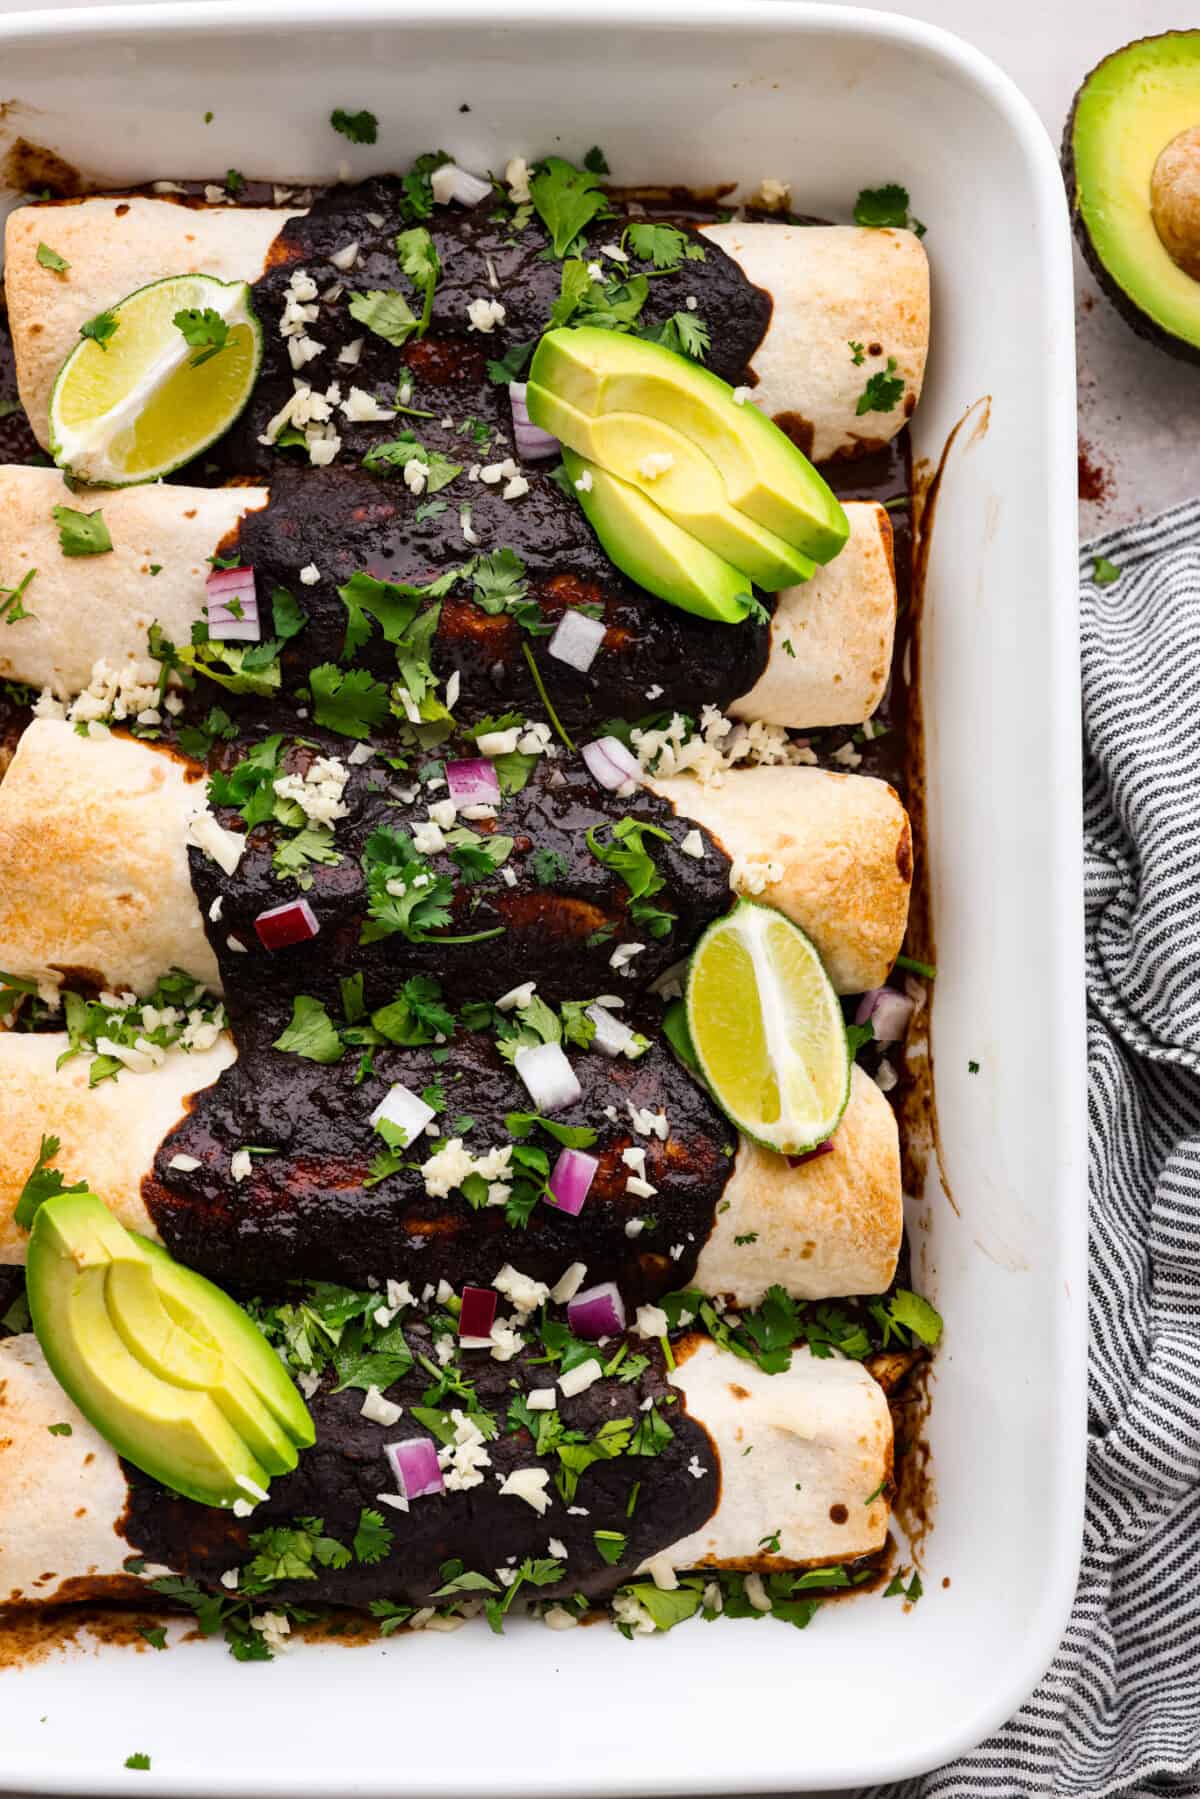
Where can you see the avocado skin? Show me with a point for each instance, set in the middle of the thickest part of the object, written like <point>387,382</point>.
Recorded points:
<point>1122,302</point>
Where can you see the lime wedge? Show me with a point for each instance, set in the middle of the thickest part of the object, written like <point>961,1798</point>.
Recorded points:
<point>145,400</point>
<point>767,1029</point>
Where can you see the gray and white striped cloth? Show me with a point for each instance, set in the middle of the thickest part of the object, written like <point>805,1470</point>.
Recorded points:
<point>1119,1711</point>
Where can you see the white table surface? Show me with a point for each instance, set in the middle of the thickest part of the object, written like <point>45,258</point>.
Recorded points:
<point>1138,408</point>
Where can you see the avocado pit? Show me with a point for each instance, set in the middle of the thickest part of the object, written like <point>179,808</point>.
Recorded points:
<point>1175,200</point>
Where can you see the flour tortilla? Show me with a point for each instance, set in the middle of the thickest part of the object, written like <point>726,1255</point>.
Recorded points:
<point>94,881</point>
<point>825,1229</point>
<point>113,247</point>
<point>834,286</point>
<point>830,286</point>
<point>821,1442</point>
<point>108,1134</point>
<point>843,843</point>
<point>821,1437</point>
<point>93,608</point>
<point>839,625</point>
<point>94,875</point>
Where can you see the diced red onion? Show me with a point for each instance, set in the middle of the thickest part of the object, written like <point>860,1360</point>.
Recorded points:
<point>612,1035</point>
<point>576,640</point>
<point>403,1108</point>
<point>452,183</point>
<point>222,586</point>
<point>548,1076</point>
<point>281,926</point>
<point>473,782</point>
<point>610,763</point>
<point>478,1313</point>
<point>599,1312</point>
<point>810,1155</point>
<point>415,1465</point>
<point>533,444</point>
<point>887,1012</point>
<point>573,1175</point>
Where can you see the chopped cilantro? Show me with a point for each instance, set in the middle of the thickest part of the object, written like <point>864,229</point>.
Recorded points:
<point>926,970</point>
<point>628,857</point>
<point>883,391</point>
<point>972,1067</point>
<point>372,1539</point>
<point>857,354</point>
<point>404,895</point>
<point>204,329</point>
<point>1104,572</point>
<point>360,127</point>
<point>139,1762</point>
<point>50,259</point>
<point>571,1136</point>
<point>548,867</point>
<point>12,601</point>
<point>100,329</point>
<point>311,1033</point>
<point>235,181</point>
<point>386,313</point>
<point>154,1634</point>
<point>685,333</point>
<point>384,458</point>
<point>915,1314</point>
<point>82,533</point>
<point>42,1183</point>
<point>60,1430</point>
<point>595,162</point>
<point>610,1545</point>
<point>663,245</point>
<point>351,702</point>
<point>287,615</point>
<point>886,206</point>
<point>419,261</point>
<point>417,188</point>
<point>665,1608</point>
<point>511,366</point>
<point>566,200</point>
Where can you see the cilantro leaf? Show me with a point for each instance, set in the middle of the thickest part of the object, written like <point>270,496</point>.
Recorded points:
<point>100,329</point>
<point>883,391</point>
<point>886,206</point>
<point>1104,572</point>
<point>419,261</point>
<point>139,1762</point>
<point>287,615</point>
<point>416,1015</point>
<point>571,1136</point>
<point>566,200</point>
<point>311,1033</point>
<point>50,259</point>
<point>204,329</point>
<point>610,1545</point>
<point>292,855</point>
<point>440,471</point>
<point>12,606</point>
<point>386,313</point>
<point>42,1183</point>
<point>418,190</point>
<point>82,533</point>
<point>685,333</point>
<point>392,605</point>
<point>372,1538</point>
<point>663,245</point>
<point>667,1609</point>
<point>548,866</point>
<point>596,162</point>
<point>916,1315</point>
<point>351,702</point>
<point>360,127</point>
<point>510,366</point>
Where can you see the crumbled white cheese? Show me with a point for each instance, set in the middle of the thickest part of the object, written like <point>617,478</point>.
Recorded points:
<point>662,1573</point>
<point>580,1378</point>
<point>624,954</point>
<point>632,1614</point>
<point>485,315</point>
<point>498,743</point>
<point>451,1165</point>
<point>647,1123</point>
<point>362,408</point>
<point>651,1321</point>
<point>274,1628</point>
<point>557,1549</point>
<point>350,353</point>
<point>443,812</point>
<point>885,1076</point>
<point>693,845</point>
<point>615,252</point>
<point>115,692</point>
<point>568,1283</point>
<point>184,1164</point>
<point>240,1164</point>
<point>318,792</point>
<point>530,1485</point>
<point>716,747</point>
<point>516,178</point>
<point>346,257</point>
<point>656,464</point>
<point>463,1460</point>
<point>515,488</point>
<point>847,756</point>
<point>517,998</point>
<point>378,1409</point>
<point>428,838</point>
<point>772,195</point>
<point>242,1508</point>
<point>748,875</point>
<point>756,1592</point>
<point>229,1579</point>
<point>557,1617</point>
<point>223,847</point>
<point>584,481</point>
<point>521,1290</point>
<point>542,1399</point>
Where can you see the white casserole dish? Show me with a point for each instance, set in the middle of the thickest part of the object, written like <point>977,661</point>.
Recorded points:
<point>832,100</point>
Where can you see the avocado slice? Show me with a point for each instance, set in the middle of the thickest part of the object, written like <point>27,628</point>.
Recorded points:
<point>168,1349</point>
<point>682,482</point>
<point>212,1318</point>
<point>1131,157</point>
<point>177,1405</point>
<point>653,551</point>
<point>578,375</point>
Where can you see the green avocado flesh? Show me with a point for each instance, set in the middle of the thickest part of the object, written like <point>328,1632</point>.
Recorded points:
<point>657,554</point>
<point>744,464</point>
<point>203,1413</point>
<point>1128,110</point>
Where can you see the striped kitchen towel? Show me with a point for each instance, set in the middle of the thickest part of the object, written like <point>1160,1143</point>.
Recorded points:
<point>1119,1711</point>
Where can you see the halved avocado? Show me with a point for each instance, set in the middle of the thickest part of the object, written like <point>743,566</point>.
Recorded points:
<point>653,551</point>
<point>763,474</point>
<point>1131,157</point>
<point>681,481</point>
<point>164,1365</point>
<point>213,1318</point>
<point>177,1435</point>
<point>168,1349</point>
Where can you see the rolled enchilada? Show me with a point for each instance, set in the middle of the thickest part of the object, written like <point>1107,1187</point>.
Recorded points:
<point>761,1472</point>
<point>785,302</point>
<point>95,879</point>
<point>823,659</point>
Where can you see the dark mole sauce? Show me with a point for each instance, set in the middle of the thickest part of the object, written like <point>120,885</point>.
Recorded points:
<point>344,1471</point>
<point>304,1211</point>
